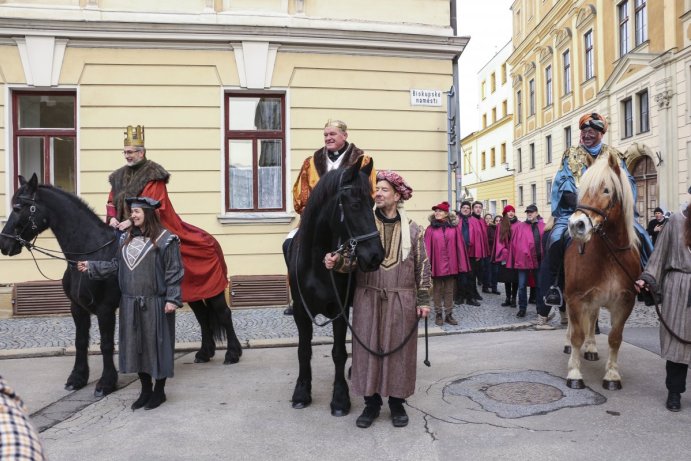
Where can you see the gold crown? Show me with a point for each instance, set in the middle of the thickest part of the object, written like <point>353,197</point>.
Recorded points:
<point>135,136</point>
<point>337,124</point>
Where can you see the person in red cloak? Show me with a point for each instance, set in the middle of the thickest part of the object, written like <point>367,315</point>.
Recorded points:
<point>206,273</point>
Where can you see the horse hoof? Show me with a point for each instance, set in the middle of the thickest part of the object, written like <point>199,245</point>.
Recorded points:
<point>611,385</point>
<point>98,393</point>
<point>70,387</point>
<point>575,383</point>
<point>339,412</point>
<point>591,356</point>
<point>567,349</point>
<point>300,405</point>
<point>200,360</point>
<point>231,360</point>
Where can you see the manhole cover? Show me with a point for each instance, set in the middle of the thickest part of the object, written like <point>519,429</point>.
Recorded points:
<point>524,393</point>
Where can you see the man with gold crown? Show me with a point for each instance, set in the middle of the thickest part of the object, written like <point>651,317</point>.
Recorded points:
<point>387,305</point>
<point>336,153</point>
<point>564,197</point>
<point>206,274</point>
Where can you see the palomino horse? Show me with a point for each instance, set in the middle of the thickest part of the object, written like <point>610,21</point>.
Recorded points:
<point>600,265</point>
<point>83,236</point>
<point>339,211</point>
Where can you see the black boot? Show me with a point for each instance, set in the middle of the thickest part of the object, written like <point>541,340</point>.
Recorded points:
<point>506,303</point>
<point>399,418</point>
<point>513,302</point>
<point>472,302</point>
<point>674,401</point>
<point>520,313</point>
<point>158,396</point>
<point>146,392</point>
<point>371,412</point>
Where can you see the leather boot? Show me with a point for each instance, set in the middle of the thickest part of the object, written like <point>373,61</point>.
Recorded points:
<point>399,418</point>
<point>450,320</point>
<point>673,401</point>
<point>158,396</point>
<point>146,392</point>
<point>506,302</point>
<point>439,321</point>
<point>373,404</point>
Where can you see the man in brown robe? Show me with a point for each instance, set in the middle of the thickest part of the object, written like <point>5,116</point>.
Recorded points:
<point>668,274</point>
<point>387,305</point>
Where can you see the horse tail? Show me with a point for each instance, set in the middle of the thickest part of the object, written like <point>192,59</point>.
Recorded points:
<point>216,325</point>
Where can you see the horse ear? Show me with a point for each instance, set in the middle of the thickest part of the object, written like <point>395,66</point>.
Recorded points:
<point>614,163</point>
<point>22,180</point>
<point>33,182</point>
<point>351,173</point>
<point>367,169</point>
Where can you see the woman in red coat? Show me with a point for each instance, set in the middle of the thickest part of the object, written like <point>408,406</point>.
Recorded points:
<point>447,254</point>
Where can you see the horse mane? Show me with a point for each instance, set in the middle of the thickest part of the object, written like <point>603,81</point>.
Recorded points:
<point>75,201</point>
<point>327,188</point>
<point>600,172</point>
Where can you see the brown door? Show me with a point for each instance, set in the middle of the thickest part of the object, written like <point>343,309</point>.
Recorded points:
<point>645,175</point>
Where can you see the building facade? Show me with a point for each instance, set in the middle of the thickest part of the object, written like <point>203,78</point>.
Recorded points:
<point>233,96</point>
<point>627,60</point>
<point>487,153</point>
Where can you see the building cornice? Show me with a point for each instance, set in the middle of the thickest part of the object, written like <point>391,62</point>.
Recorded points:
<point>196,36</point>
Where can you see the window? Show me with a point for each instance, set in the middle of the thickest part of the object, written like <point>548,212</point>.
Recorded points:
<point>643,112</point>
<point>519,108</point>
<point>567,71</point>
<point>548,85</point>
<point>531,98</point>
<point>255,152</point>
<point>532,156</point>
<point>504,108</point>
<point>520,195</point>
<point>483,89</point>
<point>484,120</point>
<point>627,111</point>
<point>567,137</point>
<point>504,203</point>
<point>623,9</point>
<point>503,153</point>
<point>533,193</point>
<point>494,114</point>
<point>589,58</point>
<point>483,160</point>
<point>44,137</point>
<point>548,189</point>
<point>641,22</point>
<point>492,83</point>
<point>548,149</point>
<point>493,157</point>
<point>519,156</point>
<point>503,73</point>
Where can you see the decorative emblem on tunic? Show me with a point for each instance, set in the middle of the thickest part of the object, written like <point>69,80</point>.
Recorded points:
<point>135,251</point>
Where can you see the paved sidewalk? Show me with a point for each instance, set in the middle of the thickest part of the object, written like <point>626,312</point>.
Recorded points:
<point>270,324</point>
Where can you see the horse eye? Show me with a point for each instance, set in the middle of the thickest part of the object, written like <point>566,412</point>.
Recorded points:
<point>16,208</point>
<point>355,206</point>
<point>606,191</point>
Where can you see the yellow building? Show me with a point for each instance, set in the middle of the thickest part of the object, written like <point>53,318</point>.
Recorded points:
<point>228,91</point>
<point>487,159</point>
<point>627,60</point>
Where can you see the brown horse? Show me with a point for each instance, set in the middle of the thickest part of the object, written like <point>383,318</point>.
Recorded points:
<point>600,265</point>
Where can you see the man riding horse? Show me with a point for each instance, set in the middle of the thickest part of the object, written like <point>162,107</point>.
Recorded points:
<point>206,274</point>
<point>564,197</point>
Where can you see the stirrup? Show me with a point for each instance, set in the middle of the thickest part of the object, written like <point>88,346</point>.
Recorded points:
<point>553,297</point>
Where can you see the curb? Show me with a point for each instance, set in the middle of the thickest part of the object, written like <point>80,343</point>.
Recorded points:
<point>260,343</point>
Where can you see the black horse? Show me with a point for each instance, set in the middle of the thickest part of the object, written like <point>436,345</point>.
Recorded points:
<point>339,211</point>
<point>83,236</point>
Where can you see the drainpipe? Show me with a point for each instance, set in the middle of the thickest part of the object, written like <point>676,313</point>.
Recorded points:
<point>455,157</point>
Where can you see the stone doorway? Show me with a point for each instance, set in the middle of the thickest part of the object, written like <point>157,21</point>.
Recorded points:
<point>645,174</point>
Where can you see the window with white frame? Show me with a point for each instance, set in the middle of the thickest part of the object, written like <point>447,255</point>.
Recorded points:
<point>548,190</point>
<point>531,96</point>
<point>589,55</point>
<point>627,113</point>
<point>623,11</point>
<point>566,59</point>
<point>44,137</point>
<point>548,148</point>
<point>567,137</point>
<point>255,151</point>
<point>533,193</point>
<point>548,86</point>
<point>519,159</point>
<point>643,112</point>
<point>641,17</point>
<point>519,108</point>
<point>520,195</point>
<point>532,155</point>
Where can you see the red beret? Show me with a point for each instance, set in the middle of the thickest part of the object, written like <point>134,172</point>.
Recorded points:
<point>508,208</point>
<point>443,206</point>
